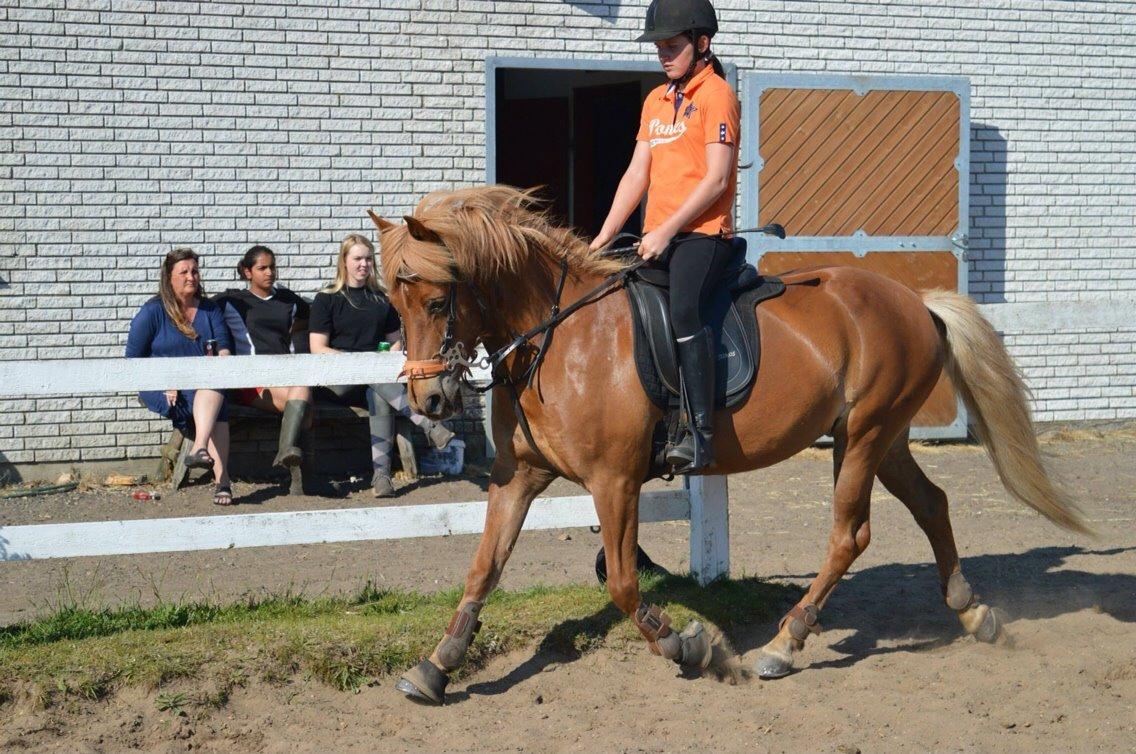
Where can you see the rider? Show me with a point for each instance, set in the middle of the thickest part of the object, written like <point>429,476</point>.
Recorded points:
<point>685,160</point>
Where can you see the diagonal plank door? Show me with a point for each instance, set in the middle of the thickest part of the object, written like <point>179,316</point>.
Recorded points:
<point>870,172</point>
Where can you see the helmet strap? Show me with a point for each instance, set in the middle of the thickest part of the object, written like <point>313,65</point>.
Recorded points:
<point>694,60</point>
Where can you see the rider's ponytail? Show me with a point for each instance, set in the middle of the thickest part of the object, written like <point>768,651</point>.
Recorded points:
<point>717,64</point>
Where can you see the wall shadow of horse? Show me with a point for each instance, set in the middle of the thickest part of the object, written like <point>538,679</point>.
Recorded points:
<point>1026,586</point>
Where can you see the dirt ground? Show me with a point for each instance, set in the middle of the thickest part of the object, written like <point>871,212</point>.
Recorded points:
<point>891,672</point>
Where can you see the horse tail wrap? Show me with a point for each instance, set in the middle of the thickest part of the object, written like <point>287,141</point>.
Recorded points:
<point>996,396</point>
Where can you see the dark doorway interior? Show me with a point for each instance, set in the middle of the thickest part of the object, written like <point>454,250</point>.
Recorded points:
<point>572,132</point>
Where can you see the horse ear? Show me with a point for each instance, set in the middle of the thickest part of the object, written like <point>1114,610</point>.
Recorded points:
<point>419,232</point>
<point>380,223</point>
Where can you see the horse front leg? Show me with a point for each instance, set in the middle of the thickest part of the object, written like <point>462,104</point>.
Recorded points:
<point>512,488</point>
<point>617,505</point>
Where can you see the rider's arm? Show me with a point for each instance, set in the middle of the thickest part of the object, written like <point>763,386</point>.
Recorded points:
<point>627,197</point>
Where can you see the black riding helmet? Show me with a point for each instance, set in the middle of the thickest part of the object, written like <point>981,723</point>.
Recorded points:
<point>669,18</point>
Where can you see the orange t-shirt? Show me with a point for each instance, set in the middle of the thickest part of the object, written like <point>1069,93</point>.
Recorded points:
<point>706,113</point>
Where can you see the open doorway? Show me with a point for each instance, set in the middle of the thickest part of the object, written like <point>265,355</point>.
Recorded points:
<point>570,130</point>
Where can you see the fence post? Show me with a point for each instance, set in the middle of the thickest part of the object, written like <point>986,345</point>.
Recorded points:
<point>709,527</point>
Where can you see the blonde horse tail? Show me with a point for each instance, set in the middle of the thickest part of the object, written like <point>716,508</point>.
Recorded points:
<point>996,397</point>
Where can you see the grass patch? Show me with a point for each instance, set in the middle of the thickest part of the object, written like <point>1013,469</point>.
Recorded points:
<point>344,642</point>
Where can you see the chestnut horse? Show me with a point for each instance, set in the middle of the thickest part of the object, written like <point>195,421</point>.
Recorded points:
<point>854,356</point>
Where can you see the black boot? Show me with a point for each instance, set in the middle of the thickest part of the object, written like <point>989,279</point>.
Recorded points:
<point>696,364</point>
<point>295,413</point>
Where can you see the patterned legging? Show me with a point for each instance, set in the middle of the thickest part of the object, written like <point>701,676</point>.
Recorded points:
<point>380,399</point>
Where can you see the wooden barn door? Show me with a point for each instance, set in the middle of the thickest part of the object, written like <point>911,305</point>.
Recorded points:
<point>863,171</point>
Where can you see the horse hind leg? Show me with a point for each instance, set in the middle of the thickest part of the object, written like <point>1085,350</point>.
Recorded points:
<point>512,489</point>
<point>854,465</point>
<point>902,477</point>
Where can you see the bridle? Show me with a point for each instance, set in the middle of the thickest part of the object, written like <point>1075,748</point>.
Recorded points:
<point>451,356</point>
<point>451,353</point>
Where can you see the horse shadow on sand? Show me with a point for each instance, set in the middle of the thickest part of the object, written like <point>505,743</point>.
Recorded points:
<point>888,608</point>
<point>898,607</point>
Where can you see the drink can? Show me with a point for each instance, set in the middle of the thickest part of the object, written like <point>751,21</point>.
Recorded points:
<point>143,495</point>
<point>211,347</point>
<point>384,346</point>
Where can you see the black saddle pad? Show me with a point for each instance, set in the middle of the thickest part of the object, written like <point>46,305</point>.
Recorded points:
<point>730,313</point>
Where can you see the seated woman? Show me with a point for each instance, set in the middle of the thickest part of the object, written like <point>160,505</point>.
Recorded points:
<point>353,314</point>
<point>180,321</point>
<point>263,318</point>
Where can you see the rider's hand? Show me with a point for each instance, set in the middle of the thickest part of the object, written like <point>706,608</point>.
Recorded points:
<point>654,244</point>
<point>600,241</point>
<point>171,397</point>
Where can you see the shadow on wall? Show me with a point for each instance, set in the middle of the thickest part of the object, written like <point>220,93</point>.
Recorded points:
<point>987,214</point>
<point>597,8</point>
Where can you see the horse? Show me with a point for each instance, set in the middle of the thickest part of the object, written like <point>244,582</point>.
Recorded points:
<point>852,355</point>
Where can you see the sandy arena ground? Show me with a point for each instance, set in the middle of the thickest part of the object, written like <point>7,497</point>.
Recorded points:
<point>891,672</point>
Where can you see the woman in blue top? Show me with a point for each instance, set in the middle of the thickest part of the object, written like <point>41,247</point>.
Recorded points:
<point>178,322</point>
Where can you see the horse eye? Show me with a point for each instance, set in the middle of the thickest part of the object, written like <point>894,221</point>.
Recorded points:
<point>436,305</point>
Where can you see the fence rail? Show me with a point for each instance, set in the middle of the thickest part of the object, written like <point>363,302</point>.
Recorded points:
<point>40,541</point>
<point>703,501</point>
<point>94,376</point>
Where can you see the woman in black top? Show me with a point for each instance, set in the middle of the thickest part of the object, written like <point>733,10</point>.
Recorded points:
<point>354,315</point>
<point>263,318</point>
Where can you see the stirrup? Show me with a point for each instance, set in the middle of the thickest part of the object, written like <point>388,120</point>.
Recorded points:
<point>692,453</point>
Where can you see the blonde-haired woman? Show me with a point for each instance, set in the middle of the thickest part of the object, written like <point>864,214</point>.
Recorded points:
<point>353,315</point>
<point>180,321</point>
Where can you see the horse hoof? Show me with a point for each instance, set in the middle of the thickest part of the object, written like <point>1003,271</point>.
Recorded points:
<point>770,666</point>
<point>696,648</point>
<point>424,683</point>
<point>989,629</point>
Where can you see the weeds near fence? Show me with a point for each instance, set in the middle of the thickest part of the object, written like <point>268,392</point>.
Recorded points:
<point>345,642</point>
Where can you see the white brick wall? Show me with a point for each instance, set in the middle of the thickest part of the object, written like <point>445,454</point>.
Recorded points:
<point>128,127</point>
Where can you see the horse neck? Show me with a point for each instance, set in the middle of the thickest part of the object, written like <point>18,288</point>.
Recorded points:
<point>524,300</point>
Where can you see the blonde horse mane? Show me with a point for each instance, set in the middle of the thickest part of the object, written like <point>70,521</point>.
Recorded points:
<point>482,234</point>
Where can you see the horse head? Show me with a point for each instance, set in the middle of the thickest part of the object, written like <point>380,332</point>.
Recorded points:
<point>440,324</point>
<point>473,265</point>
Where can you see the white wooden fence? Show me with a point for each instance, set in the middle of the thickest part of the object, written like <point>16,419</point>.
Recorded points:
<point>702,501</point>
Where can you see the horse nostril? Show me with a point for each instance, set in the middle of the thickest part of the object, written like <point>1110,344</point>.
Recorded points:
<point>433,403</point>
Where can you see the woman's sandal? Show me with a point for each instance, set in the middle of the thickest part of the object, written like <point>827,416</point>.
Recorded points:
<point>223,496</point>
<point>199,460</point>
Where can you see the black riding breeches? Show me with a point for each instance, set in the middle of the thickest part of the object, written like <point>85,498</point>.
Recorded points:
<point>696,262</point>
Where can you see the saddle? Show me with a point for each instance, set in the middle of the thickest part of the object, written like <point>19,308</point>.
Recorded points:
<point>730,313</point>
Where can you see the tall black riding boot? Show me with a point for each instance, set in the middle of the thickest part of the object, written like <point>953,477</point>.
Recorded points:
<point>291,424</point>
<point>696,364</point>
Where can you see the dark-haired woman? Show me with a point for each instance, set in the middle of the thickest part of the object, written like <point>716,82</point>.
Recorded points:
<point>263,318</point>
<point>179,321</point>
<point>354,315</point>
<point>685,160</point>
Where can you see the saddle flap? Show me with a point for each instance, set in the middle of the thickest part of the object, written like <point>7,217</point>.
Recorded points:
<point>656,356</point>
